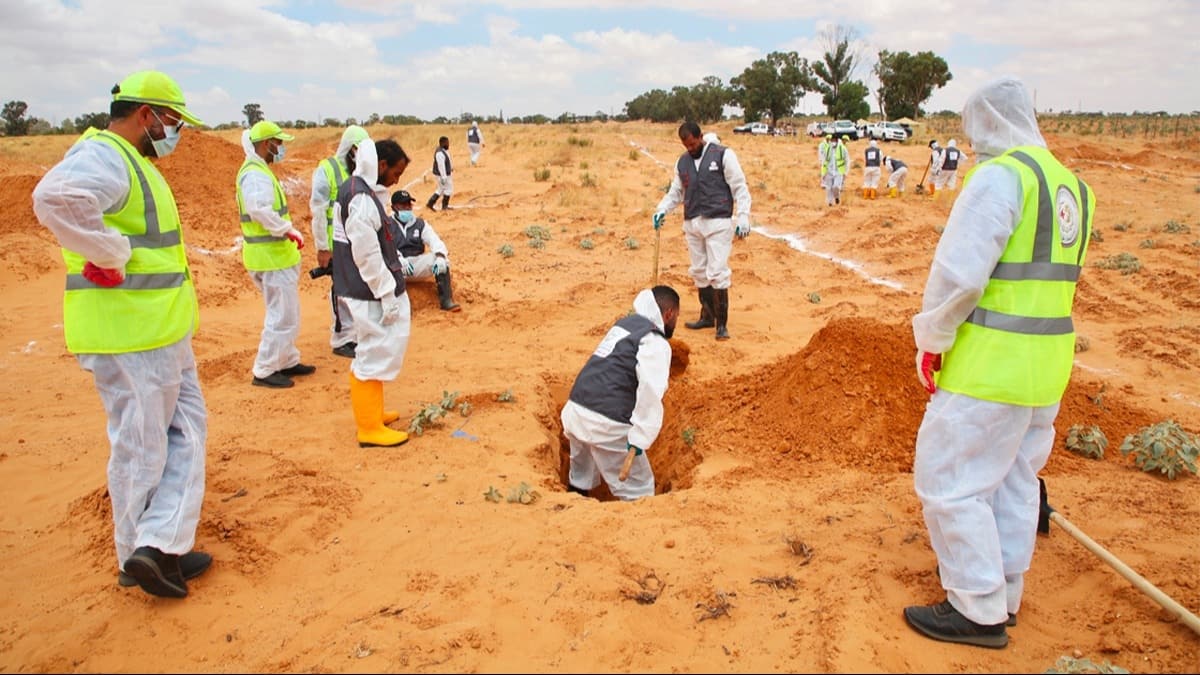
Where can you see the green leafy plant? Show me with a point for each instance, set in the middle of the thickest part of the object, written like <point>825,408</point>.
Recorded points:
<point>523,494</point>
<point>537,232</point>
<point>1067,664</point>
<point>537,243</point>
<point>599,231</point>
<point>631,243</point>
<point>689,436</point>
<point>1088,441</point>
<point>1164,447</point>
<point>505,250</point>
<point>1176,227</point>
<point>814,297</point>
<point>1126,262</point>
<point>493,495</point>
<point>431,414</point>
<point>506,396</point>
<point>587,244</point>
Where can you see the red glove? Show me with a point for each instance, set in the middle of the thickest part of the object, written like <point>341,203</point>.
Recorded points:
<point>102,276</point>
<point>927,364</point>
<point>296,238</point>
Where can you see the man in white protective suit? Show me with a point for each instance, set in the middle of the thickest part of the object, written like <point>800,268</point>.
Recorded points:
<point>995,346</point>
<point>368,275</point>
<point>475,142</point>
<point>615,406</point>
<point>326,179</point>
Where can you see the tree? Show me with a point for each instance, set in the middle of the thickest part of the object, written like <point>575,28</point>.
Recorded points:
<point>836,70</point>
<point>851,103</point>
<point>15,123</point>
<point>907,80</point>
<point>772,85</point>
<point>253,113</point>
<point>98,120</point>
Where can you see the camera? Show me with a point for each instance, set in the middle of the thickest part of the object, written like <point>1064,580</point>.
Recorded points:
<point>318,272</point>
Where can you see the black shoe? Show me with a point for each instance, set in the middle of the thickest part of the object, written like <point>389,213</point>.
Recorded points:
<point>191,565</point>
<point>274,380</point>
<point>577,490</point>
<point>346,350</point>
<point>1012,620</point>
<point>298,369</point>
<point>837,200</point>
<point>943,622</point>
<point>156,572</point>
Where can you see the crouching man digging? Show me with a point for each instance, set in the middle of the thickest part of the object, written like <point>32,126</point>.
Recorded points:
<point>615,406</point>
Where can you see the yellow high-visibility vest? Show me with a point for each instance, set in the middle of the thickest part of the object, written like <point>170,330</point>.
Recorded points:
<point>155,305</point>
<point>335,175</point>
<point>1018,345</point>
<point>261,250</point>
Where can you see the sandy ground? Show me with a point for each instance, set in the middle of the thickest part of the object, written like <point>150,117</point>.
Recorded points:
<point>787,538</point>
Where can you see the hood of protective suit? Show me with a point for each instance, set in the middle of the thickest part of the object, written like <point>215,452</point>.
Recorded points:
<point>248,146</point>
<point>711,138</point>
<point>951,144</point>
<point>873,144</point>
<point>645,305</point>
<point>1000,116</point>
<point>352,136</point>
<point>366,162</point>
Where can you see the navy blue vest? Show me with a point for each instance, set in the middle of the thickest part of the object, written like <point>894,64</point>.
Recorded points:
<point>951,159</point>
<point>608,384</point>
<point>436,170</point>
<point>873,156</point>
<point>705,192</point>
<point>473,135</point>
<point>347,282</point>
<point>411,243</point>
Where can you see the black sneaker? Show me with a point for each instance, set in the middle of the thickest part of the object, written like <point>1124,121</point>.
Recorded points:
<point>346,350</point>
<point>191,565</point>
<point>943,622</point>
<point>156,572</point>
<point>298,369</point>
<point>274,380</point>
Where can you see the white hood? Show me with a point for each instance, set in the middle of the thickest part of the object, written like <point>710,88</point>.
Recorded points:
<point>352,136</point>
<point>247,145</point>
<point>366,162</point>
<point>645,305</point>
<point>1000,116</point>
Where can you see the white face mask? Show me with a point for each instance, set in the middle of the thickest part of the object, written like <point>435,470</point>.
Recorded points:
<point>279,152</point>
<point>165,145</point>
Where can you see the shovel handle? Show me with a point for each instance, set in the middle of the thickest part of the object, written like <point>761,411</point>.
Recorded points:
<point>657,241</point>
<point>1165,601</point>
<point>627,464</point>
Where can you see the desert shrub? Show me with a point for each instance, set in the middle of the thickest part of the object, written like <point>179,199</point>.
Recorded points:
<point>537,232</point>
<point>1126,262</point>
<point>633,155</point>
<point>1176,227</point>
<point>1122,226</point>
<point>431,414</point>
<point>1088,441</point>
<point>1082,344</point>
<point>631,243</point>
<point>689,436</point>
<point>583,166</point>
<point>1096,236</point>
<point>505,250</point>
<point>581,142</point>
<point>814,297</point>
<point>588,180</point>
<point>587,244</point>
<point>1067,664</point>
<point>541,175</point>
<point>506,396</point>
<point>1146,243</point>
<point>537,243</point>
<point>599,231</point>
<point>1164,447</point>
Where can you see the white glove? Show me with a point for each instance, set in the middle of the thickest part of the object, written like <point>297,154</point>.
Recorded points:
<point>440,265</point>
<point>743,226</point>
<point>406,267</point>
<point>391,310</point>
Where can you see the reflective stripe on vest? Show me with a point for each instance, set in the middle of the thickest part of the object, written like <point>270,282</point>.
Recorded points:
<point>261,250</point>
<point>335,175</point>
<point>1018,345</point>
<point>155,305</point>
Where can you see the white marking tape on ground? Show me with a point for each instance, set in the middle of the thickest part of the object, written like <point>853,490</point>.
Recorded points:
<point>418,179</point>
<point>642,149</point>
<point>797,242</point>
<point>237,246</point>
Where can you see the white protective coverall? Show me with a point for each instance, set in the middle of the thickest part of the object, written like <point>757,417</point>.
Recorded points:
<point>444,179</point>
<point>598,444</point>
<point>871,173</point>
<point>936,157</point>
<point>950,176</point>
<point>976,461</point>
<point>710,240</point>
<point>341,330</point>
<point>157,420</point>
<point>835,175</point>
<point>475,148</point>
<point>280,288</point>
<point>435,251</point>
<point>380,351</point>
<point>897,177</point>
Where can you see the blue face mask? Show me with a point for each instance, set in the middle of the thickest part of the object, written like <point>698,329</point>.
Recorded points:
<point>165,145</point>
<point>405,217</point>
<point>279,152</point>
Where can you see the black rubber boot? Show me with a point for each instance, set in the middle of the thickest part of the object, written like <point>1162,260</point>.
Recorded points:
<point>445,296</point>
<point>706,310</point>
<point>432,200</point>
<point>445,202</point>
<point>721,311</point>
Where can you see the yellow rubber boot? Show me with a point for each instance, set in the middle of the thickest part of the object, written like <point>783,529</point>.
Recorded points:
<point>390,416</point>
<point>932,190</point>
<point>892,192</point>
<point>366,398</point>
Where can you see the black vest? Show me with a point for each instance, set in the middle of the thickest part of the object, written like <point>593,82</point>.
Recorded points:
<point>436,170</point>
<point>347,282</point>
<point>951,159</point>
<point>608,384</point>
<point>873,156</point>
<point>473,135</point>
<point>897,165</point>
<point>705,192</point>
<point>411,243</point>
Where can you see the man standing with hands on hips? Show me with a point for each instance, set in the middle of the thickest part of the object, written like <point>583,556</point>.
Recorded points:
<point>996,322</point>
<point>708,181</point>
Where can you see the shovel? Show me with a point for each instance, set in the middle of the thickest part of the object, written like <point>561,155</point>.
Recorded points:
<point>1047,514</point>
<point>921,186</point>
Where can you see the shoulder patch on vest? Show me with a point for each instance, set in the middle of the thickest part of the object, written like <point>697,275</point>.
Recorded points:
<point>1067,214</point>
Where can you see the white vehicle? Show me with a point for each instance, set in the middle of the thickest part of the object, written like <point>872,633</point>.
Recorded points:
<point>887,131</point>
<point>758,128</point>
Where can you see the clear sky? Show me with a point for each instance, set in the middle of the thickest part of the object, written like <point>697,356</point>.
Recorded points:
<point>304,59</point>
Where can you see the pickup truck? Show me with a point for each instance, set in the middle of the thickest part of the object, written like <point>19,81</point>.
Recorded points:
<point>887,131</point>
<point>754,128</point>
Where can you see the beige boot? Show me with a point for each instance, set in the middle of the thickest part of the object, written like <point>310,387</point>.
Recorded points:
<point>366,399</point>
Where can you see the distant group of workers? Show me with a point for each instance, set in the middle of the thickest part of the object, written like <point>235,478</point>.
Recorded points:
<point>833,158</point>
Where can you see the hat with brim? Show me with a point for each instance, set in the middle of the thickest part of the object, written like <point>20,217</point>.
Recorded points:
<point>155,88</point>
<point>263,130</point>
<point>401,197</point>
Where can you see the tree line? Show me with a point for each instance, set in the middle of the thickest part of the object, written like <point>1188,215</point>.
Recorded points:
<point>773,85</point>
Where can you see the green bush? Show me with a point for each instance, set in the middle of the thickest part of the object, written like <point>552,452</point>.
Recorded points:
<point>1164,447</point>
<point>1087,441</point>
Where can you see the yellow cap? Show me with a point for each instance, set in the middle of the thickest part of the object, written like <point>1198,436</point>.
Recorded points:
<point>155,88</point>
<point>263,130</point>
